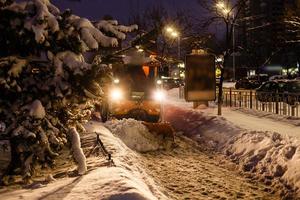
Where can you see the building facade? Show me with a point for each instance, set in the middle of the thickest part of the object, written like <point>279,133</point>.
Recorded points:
<point>266,40</point>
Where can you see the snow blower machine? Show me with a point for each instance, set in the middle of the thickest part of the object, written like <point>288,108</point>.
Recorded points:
<point>136,92</point>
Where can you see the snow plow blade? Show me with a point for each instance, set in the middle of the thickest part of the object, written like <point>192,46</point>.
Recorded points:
<point>145,110</point>
<point>163,131</point>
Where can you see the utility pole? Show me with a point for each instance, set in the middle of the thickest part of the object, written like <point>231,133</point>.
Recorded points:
<point>233,50</point>
<point>179,47</point>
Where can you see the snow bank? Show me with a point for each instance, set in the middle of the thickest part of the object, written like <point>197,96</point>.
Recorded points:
<point>268,156</point>
<point>135,135</point>
<point>214,131</point>
<point>78,152</point>
<point>125,180</point>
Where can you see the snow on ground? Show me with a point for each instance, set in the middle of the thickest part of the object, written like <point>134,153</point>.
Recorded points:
<point>125,180</point>
<point>135,135</point>
<point>278,118</point>
<point>270,156</point>
<point>192,170</point>
<point>186,172</point>
<point>260,122</point>
<point>245,118</point>
<point>229,84</point>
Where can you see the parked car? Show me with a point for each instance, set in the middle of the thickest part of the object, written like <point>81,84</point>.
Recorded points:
<point>251,82</point>
<point>279,90</point>
<point>278,77</point>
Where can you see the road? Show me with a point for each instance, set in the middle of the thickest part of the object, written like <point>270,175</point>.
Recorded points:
<point>187,172</point>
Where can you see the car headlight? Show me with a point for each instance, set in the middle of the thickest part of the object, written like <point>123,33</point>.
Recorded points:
<point>159,95</point>
<point>116,94</point>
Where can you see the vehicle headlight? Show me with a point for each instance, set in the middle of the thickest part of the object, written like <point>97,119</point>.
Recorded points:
<point>116,81</point>
<point>159,95</point>
<point>116,94</point>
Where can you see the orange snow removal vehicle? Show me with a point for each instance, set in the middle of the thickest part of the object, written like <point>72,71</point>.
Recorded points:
<point>136,93</point>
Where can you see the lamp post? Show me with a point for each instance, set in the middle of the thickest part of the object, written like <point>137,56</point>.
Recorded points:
<point>233,50</point>
<point>175,34</point>
<point>222,9</point>
<point>226,11</point>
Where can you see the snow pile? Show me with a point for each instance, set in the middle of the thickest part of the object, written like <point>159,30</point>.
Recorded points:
<point>125,180</point>
<point>78,152</point>
<point>212,130</point>
<point>269,156</point>
<point>135,135</point>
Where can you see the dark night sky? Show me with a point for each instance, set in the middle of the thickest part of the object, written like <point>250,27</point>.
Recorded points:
<point>120,9</point>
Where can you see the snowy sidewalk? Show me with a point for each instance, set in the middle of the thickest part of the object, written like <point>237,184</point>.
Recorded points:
<point>242,119</point>
<point>251,122</point>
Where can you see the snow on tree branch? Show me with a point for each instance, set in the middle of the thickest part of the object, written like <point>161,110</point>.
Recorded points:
<point>44,19</point>
<point>46,85</point>
<point>113,27</point>
<point>91,35</point>
<point>73,61</point>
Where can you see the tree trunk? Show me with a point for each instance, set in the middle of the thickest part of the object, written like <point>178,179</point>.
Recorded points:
<point>220,95</point>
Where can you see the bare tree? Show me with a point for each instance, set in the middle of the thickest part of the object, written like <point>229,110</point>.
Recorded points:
<point>154,20</point>
<point>224,13</point>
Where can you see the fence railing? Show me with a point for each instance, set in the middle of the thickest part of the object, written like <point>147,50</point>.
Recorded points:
<point>278,103</point>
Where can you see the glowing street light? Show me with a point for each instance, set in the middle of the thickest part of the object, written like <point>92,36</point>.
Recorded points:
<point>223,8</point>
<point>169,29</point>
<point>221,5</point>
<point>174,34</point>
<point>227,11</point>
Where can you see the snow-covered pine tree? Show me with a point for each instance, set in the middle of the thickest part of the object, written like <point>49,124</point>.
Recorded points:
<point>46,86</point>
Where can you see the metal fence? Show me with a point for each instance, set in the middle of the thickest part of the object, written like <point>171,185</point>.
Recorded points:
<point>278,103</point>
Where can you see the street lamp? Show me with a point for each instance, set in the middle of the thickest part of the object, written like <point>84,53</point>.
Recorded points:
<point>174,34</point>
<point>226,11</point>
<point>169,29</point>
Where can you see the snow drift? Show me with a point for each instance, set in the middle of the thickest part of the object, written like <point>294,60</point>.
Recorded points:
<point>125,180</point>
<point>136,135</point>
<point>271,157</point>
